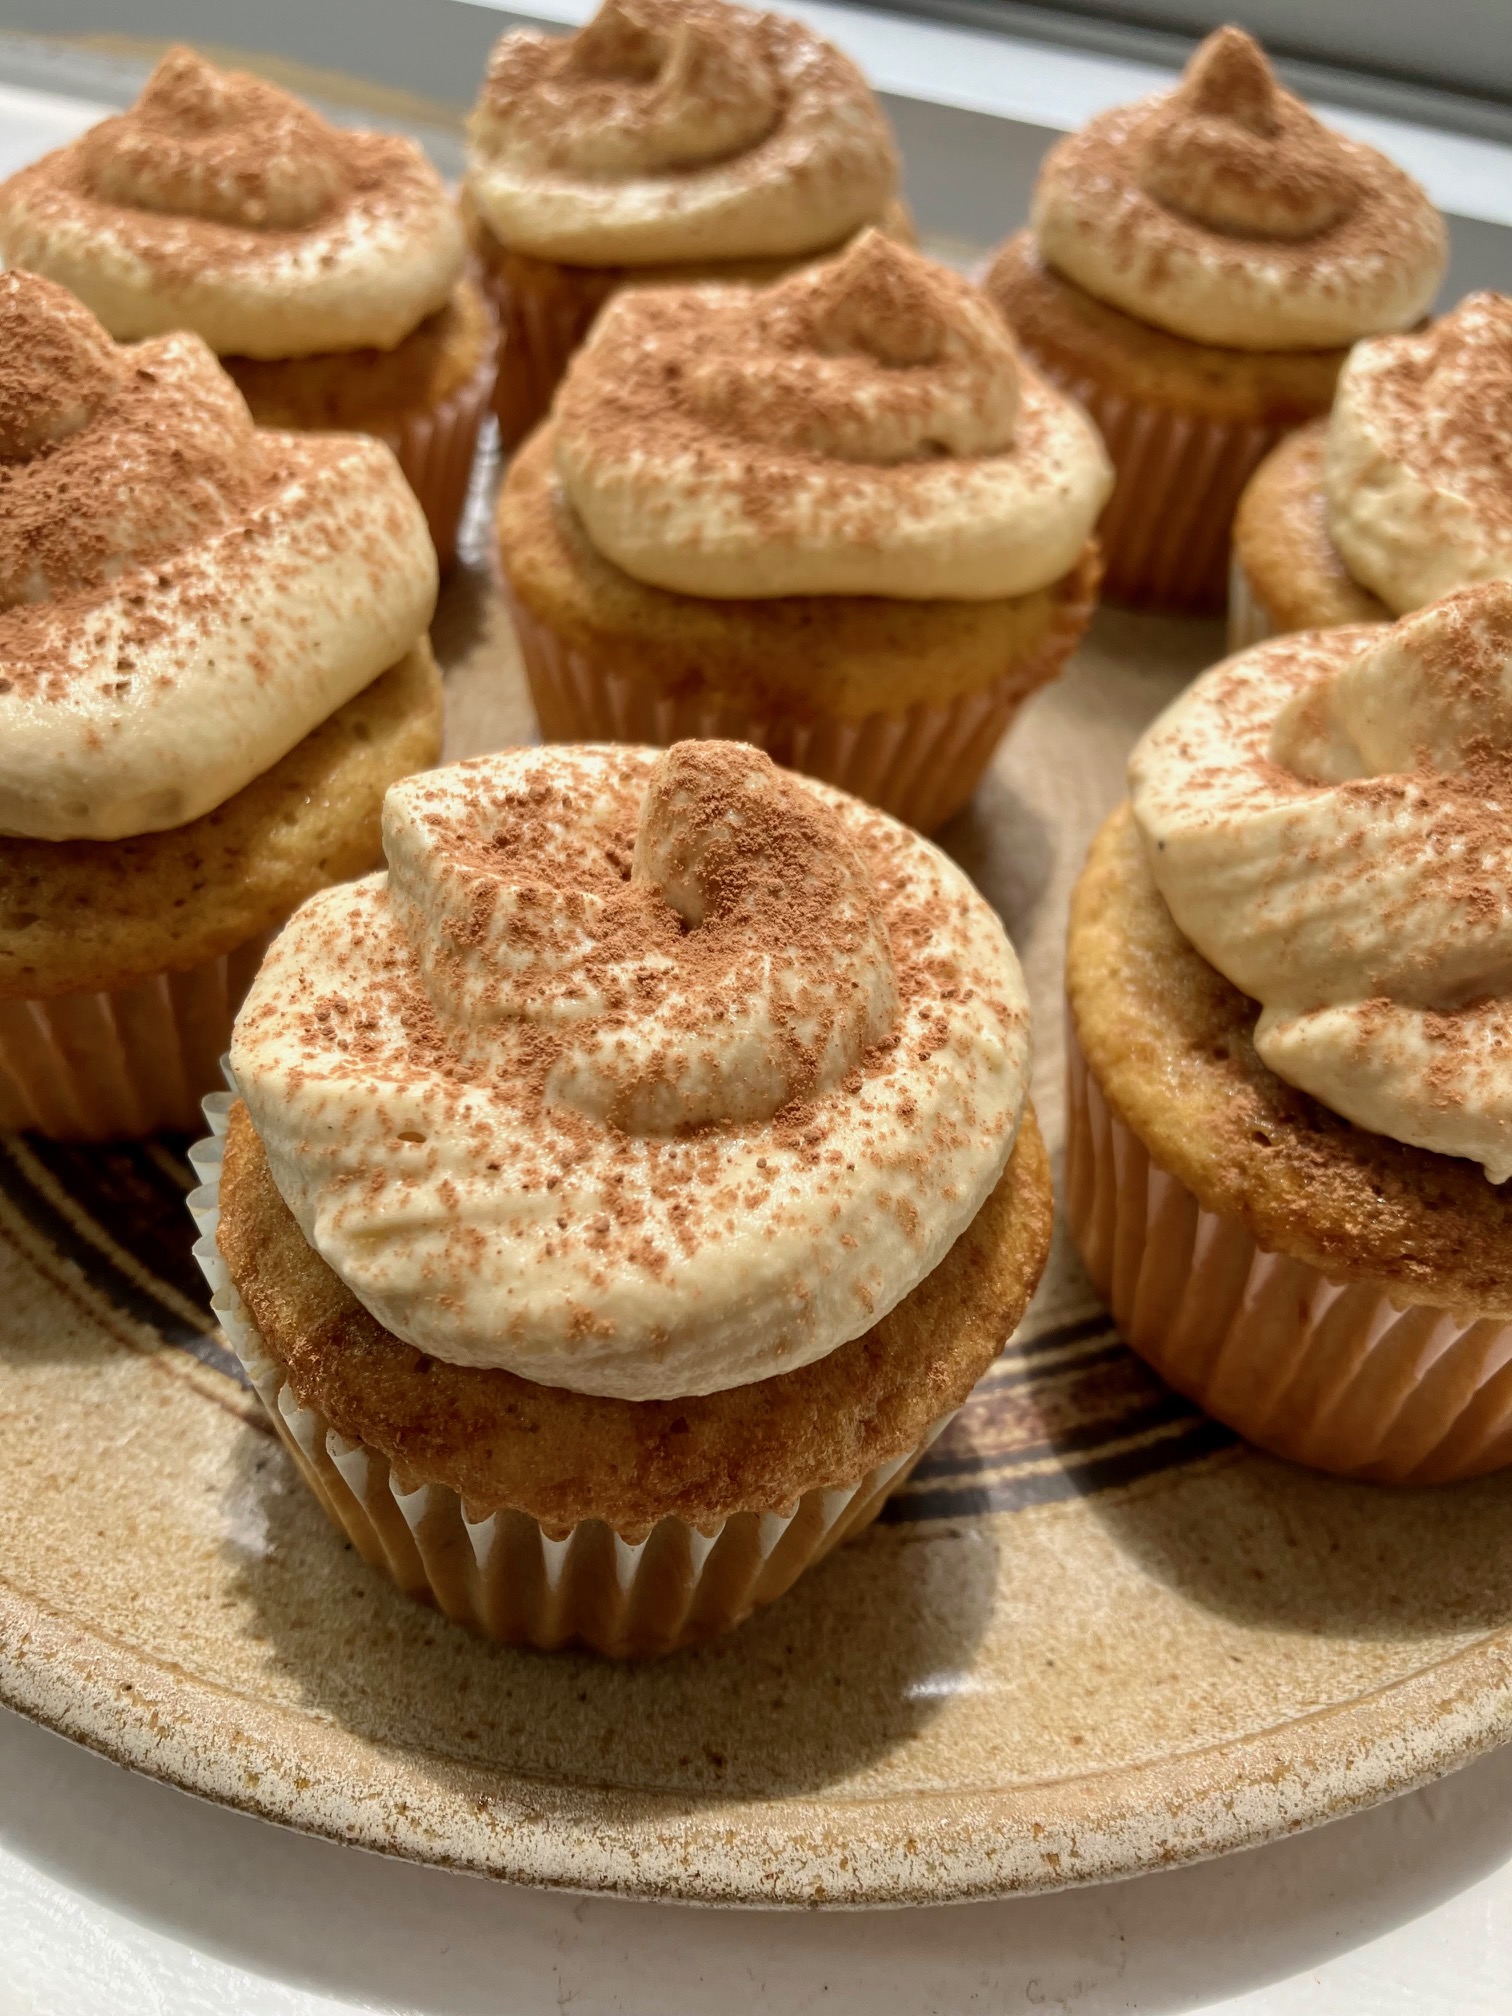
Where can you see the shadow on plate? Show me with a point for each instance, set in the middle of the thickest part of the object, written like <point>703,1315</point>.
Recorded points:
<point>1008,851</point>
<point>1244,1534</point>
<point>840,1672</point>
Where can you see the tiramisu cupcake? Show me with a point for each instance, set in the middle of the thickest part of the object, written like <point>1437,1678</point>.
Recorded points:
<point>668,140</point>
<point>835,517</point>
<point>1291,1045</point>
<point>629,1185</point>
<point>1404,493</point>
<point>213,663</point>
<point>324,266</point>
<point>1196,267</point>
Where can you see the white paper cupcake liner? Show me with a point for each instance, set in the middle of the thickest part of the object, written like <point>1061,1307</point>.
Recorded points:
<point>922,764</point>
<point>1333,1374</point>
<point>539,329</point>
<point>629,1595</point>
<point>1249,621</point>
<point>1178,480</point>
<point>119,1065</point>
<point>435,450</point>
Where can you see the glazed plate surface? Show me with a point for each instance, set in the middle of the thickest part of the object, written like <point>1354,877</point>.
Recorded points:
<point>1093,1636</point>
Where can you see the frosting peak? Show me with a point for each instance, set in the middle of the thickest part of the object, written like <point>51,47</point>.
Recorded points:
<point>57,366</point>
<point>1224,211</point>
<point>1419,448</point>
<point>1233,150</point>
<point>1328,817</point>
<point>222,205</point>
<point>219,144</point>
<point>1229,77</point>
<point>671,130</point>
<point>740,964</point>
<point>116,460</point>
<point>182,597</point>
<point>643,1075</point>
<point>879,356</point>
<point>864,427</point>
<point>645,87</point>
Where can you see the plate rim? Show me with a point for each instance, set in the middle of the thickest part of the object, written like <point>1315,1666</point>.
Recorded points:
<point>787,1852</point>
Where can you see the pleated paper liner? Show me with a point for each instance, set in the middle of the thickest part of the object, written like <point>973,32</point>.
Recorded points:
<point>1165,531</point>
<point>1333,1374</point>
<point>1249,621</point>
<point>628,1595</point>
<point>126,1063</point>
<point>922,764</point>
<point>435,449</point>
<point>542,321</point>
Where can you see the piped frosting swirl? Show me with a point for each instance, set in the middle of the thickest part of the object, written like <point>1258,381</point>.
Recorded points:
<point>1226,212</point>
<point>863,428</point>
<point>1418,461</point>
<point>221,204</point>
<point>182,597</point>
<point>669,130</point>
<point>638,1075</point>
<point>1328,818</point>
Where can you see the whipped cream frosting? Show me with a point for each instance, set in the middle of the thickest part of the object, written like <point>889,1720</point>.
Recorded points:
<point>1329,818</point>
<point>182,597</point>
<point>863,428</point>
<point>220,204</point>
<point>1225,212</point>
<point>669,130</point>
<point>640,1075</point>
<point>1417,469</point>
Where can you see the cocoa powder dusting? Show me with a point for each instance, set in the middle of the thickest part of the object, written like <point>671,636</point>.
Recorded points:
<point>217,170</point>
<point>117,464</point>
<point>566,929</point>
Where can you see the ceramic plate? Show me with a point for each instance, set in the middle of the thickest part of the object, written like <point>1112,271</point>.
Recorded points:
<point>1094,1635</point>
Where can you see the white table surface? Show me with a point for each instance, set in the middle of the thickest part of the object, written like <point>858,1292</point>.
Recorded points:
<point>120,1897</point>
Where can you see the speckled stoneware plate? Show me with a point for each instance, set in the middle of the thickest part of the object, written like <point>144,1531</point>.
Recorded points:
<point>1095,1635</point>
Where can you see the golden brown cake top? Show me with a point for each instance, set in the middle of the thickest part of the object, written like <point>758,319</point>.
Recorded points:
<point>863,428</point>
<point>182,597</point>
<point>1281,541</point>
<point>637,1075</point>
<point>221,204</point>
<point>1224,211</point>
<point>502,1441</point>
<point>1327,817</point>
<point>1171,1044</point>
<point>87,916</point>
<point>676,130</point>
<point>1418,468</point>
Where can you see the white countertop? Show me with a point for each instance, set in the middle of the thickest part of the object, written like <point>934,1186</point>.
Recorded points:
<point>121,1897</point>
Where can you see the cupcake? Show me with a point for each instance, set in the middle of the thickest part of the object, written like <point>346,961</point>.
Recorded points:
<point>324,266</point>
<point>1402,494</point>
<point>1290,1087</point>
<point>1196,267</point>
<point>834,517</point>
<point>626,1188</point>
<point>668,140</point>
<point>213,663</point>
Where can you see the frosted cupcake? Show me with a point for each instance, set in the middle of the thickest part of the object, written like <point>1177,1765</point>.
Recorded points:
<point>213,663</point>
<point>324,266</point>
<point>668,140</point>
<point>1402,494</point>
<point>1196,267</point>
<point>629,1185</point>
<point>835,517</point>
<point>1290,1086</point>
